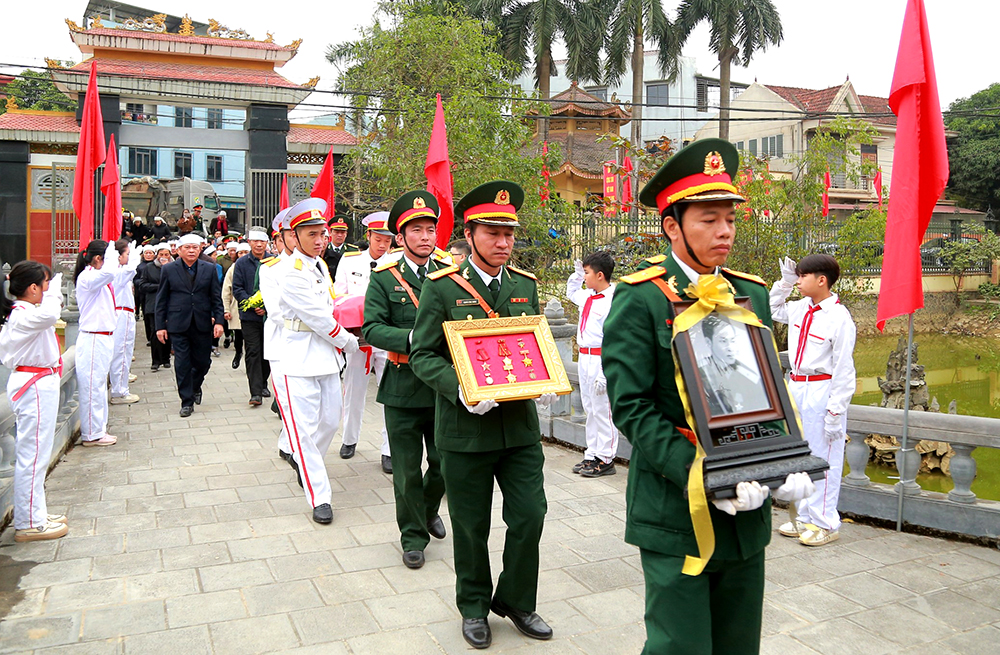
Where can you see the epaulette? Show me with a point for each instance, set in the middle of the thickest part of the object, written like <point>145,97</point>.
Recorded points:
<point>395,250</point>
<point>442,272</point>
<point>524,273</point>
<point>352,253</point>
<point>644,275</point>
<point>746,276</point>
<point>271,261</point>
<point>656,259</point>
<point>385,266</point>
<point>298,264</point>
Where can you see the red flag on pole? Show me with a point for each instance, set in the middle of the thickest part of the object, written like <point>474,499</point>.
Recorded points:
<point>545,173</point>
<point>627,184</point>
<point>112,189</point>
<point>283,202</point>
<point>921,171</point>
<point>323,188</point>
<point>826,194</point>
<point>90,155</point>
<point>878,187</point>
<point>438,172</point>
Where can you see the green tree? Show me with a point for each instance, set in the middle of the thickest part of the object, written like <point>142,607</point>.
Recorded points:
<point>974,152</point>
<point>35,90</point>
<point>739,28</point>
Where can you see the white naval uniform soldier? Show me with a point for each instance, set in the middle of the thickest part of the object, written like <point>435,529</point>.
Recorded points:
<point>353,273</point>
<point>270,278</point>
<point>313,340</point>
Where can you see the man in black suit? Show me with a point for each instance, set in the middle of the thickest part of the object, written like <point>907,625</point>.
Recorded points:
<point>189,312</point>
<point>338,244</point>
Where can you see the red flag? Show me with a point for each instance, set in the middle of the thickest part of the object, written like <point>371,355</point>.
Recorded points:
<point>545,174</point>
<point>826,194</point>
<point>878,187</point>
<point>90,155</point>
<point>921,171</point>
<point>610,189</point>
<point>323,188</point>
<point>627,183</point>
<point>283,202</point>
<point>438,171</point>
<point>112,189</point>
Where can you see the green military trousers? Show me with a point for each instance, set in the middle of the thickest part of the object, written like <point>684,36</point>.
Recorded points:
<point>468,477</point>
<point>418,495</point>
<point>715,613</point>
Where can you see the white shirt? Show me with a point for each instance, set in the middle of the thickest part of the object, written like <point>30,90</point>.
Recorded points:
<point>96,299</point>
<point>827,347</point>
<point>354,271</point>
<point>692,274</point>
<point>28,338</point>
<point>486,277</point>
<point>590,335</point>
<point>270,290</point>
<point>413,266</point>
<point>124,291</point>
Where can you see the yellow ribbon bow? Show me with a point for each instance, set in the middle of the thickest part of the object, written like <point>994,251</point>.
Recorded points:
<point>713,293</point>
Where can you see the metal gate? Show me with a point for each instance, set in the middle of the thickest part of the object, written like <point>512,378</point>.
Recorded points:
<point>52,195</point>
<point>264,193</point>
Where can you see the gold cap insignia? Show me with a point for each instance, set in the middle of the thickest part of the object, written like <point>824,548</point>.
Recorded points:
<point>713,164</point>
<point>503,197</point>
<point>418,203</point>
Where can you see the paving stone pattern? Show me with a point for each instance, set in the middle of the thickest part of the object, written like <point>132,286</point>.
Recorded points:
<point>191,536</point>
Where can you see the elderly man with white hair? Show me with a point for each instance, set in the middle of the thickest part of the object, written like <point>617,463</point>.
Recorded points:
<point>246,284</point>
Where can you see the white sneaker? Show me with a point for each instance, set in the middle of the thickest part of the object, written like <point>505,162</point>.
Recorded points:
<point>106,440</point>
<point>56,518</point>
<point>132,377</point>
<point>794,530</point>
<point>818,537</point>
<point>48,531</point>
<point>125,400</point>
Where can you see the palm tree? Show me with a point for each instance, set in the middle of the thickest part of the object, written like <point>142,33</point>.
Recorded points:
<point>739,29</point>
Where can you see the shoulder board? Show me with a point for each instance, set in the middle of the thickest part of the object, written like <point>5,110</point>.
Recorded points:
<point>271,261</point>
<point>298,264</point>
<point>644,275</point>
<point>266,260</point>
<point>524,273</point>
<point>352,253</point>
<point>395,250</point>
<point>385,266</point>
<point>442,272</point>
<point>745,276</point>
<point>656,259</point>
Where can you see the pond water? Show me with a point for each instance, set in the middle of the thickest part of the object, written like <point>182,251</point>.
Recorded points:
<point>964,369</point>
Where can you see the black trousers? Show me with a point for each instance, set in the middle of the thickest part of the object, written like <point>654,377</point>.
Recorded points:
<point>149,318</point>
<point>237,340</point>
<point>192,359</point>
<point>258,368</point>
<point>160,352</point>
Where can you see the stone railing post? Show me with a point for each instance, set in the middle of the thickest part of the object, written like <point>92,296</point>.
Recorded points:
<point>963,473</point>
<point>857,453</point>
<point>71,312</point>
<point>563,332</point>
<point>907,465</point>
<point>7,454</point>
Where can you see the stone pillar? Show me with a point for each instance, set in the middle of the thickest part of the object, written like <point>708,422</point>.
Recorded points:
<point>563,333</point>
<point>857,454</point>
<point>963,473</point>
<point>14,156</point>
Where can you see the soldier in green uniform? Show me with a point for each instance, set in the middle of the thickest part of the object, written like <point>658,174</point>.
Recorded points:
<point>390,308</point>
<point>688,612</point>
<point>489,441</point>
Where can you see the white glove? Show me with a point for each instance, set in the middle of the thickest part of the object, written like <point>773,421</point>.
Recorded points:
<point>479,408</point>
<point>578,267</point>
<point>352,345</point>
<point>788,273</point>
<point>545,399</point>
<point>134,255</point>
<point>749,496</point>
<point>798,486</point>
<point>110,255</point>
<point>55,286</point>
<point>601,386</point>
<point>833,427</point>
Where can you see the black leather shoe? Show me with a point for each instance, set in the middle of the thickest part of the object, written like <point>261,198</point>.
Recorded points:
<point>436,527</point>
<point>225,344</point>
<point>236,360</point>
<point>266,392</point>
<point>285,456</point>
<point>529,623</point>
<point>167,365</point>
<point>197,398</point>
<point>324,514</point>
<point>154,368</point>
<point>413,559</point>
<point>298,473</point>
<point>256,401</point>
<point>477,633</point>
<point>186,411</point>
<point>347,452</point>
<point>387,464</point>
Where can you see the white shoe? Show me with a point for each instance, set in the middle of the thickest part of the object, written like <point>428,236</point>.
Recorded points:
<point>106,440</point>
<point>818,537</point>
<point>795,530</point>
<point>132,377</point>
<point>56,518</point>
<point>48,531</point>
<point>125,400</point>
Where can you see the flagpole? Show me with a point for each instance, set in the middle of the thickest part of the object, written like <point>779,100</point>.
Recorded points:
<point>901,456</point>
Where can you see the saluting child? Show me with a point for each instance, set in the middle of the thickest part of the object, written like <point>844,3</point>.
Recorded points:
<point>594,272</point>
<point>821,336</point>
<point>29,348</point>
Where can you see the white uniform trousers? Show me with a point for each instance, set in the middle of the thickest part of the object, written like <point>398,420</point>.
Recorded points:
<point>820,509</point>
<point>280,390</point>
<point>356,391</point>
<point>35,414</point>
<point>93,359</point>
<point>121,361</point>
<point>602,436</point>
<point>311,416</point>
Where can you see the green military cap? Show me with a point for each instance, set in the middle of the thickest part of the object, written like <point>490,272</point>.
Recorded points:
<point>493,203</point>
<point>338,222</point>
<point>412,205</point>
<point>701,172</point>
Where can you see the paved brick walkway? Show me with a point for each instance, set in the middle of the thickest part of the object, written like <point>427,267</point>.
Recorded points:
<point>191,536</point>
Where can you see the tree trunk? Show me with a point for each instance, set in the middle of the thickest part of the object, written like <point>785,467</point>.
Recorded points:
<point>725,58</point>
<point>544,89</point>
<point>638,86</point>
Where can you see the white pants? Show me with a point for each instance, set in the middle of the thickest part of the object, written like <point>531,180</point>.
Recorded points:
<point>311,417</point>
<point>93,359</point>
<point>820,509</point>
<point>355,391</point>
<point>602,436</point>
<point>280,390</point>
<point>35,414</point>
<point>121,361</point>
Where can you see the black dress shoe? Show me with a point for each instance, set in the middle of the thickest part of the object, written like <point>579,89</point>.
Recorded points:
<point>323,513</point>
<point>413,559</point>
<point>236,360</point>
<point>436,527</point>
<point>298,473</point>
<point>167,365</point>
<point>387,464</point>
<point>266,392</point>
<point>197,398</point>
<point>256,401</point>
<point>529,623</point>
<point>186,411</point>
<point>154,368</point>
<point>477,633</point>
<point>283,455</point>
<point>347,452</point>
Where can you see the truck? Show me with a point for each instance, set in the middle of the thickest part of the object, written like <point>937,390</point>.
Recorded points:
<point>149,197</point>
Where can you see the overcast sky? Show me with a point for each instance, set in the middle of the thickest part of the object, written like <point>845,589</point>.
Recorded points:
<point>825,42</point>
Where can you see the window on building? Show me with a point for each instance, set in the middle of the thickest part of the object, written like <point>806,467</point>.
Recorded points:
<point>182,117</point>
<point>182,164</point>
<point>702,96</point>
<point>600,92</point>
<point>657,94</point>
<point>752,147</point>
<point>142,161</point>
<point>214,118</point>
<point>869,154</point>
<point>214,168</point>
<point>739,145</point>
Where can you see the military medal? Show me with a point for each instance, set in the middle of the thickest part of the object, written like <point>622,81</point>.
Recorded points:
<point>484,357</point>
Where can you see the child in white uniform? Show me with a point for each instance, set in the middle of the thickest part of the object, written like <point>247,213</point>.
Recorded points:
<point>29,348</point>
<point>595,303</point>
<point>821,336</point>
<point>121,361</point>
